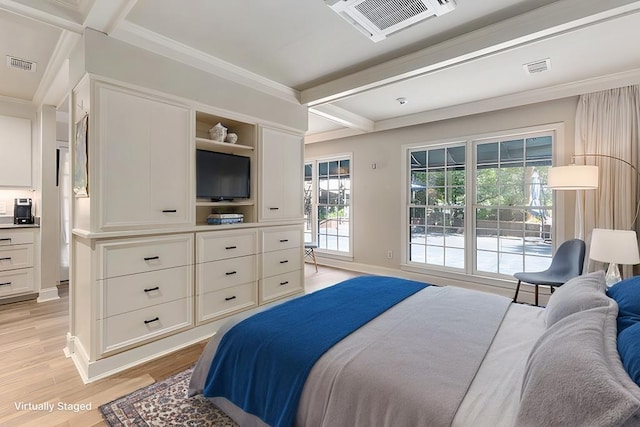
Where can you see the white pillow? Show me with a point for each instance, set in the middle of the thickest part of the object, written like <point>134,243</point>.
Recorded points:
<point>578,294</point>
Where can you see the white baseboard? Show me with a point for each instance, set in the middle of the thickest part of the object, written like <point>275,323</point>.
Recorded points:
<point>48,294</point>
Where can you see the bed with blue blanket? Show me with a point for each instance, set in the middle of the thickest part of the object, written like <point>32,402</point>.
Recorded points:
<point>384,351</point>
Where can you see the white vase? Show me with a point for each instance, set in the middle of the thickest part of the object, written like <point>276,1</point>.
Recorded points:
<point>218,132</point>
<point>232,138</point>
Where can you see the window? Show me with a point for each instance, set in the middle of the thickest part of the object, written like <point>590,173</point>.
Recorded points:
<point>480,206</point>
<point>436,215</point>
<point>327,207</point>
<point>513,211</point>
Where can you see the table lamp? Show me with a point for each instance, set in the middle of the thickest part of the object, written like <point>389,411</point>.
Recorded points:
<point>615,247</point>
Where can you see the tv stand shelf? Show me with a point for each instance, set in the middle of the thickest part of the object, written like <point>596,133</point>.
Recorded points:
<point>211,145</point>
<point>225,203</point>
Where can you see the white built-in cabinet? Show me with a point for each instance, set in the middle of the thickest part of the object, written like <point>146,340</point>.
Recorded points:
<point>281,168</point>
<point>15,146</point>
<point>148,274</point>
<point>144,161</point>
<point>16,261</point>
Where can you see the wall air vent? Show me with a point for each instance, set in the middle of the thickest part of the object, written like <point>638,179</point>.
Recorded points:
<point>378,18</point>
<point>21,64</point>
<point>536,67</point>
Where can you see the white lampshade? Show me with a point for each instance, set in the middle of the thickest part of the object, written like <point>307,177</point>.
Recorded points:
<point>614,247</point>
<point>573,177</point>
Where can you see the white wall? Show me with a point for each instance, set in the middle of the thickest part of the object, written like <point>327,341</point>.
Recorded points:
<point>376,193</point>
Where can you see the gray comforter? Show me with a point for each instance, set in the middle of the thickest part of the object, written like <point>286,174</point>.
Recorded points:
<point>410,366</point>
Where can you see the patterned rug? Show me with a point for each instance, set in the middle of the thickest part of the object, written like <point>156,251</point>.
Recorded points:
<point>164,403</point>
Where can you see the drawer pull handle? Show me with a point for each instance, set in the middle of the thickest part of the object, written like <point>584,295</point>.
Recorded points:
<point>284,283</point>
<point>230,273</point>
<point>5,283</point>
<point>151,258</point>
<point>7,258</point>
<point>284,262</point>
<point>155,319</point>
<point>284,240</point>
<point>230,298</point>
<point>230,247</point>
<point>273,209</point>
<point>5,239</point>
<point>169,210</point>
<point>157,288</point>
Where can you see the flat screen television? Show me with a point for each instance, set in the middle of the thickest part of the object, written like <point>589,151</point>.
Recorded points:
<point>221,176</point>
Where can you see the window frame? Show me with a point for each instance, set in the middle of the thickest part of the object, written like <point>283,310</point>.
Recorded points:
<point>329,253</point>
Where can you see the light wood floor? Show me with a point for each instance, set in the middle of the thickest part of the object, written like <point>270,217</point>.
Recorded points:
<point>34,370</point>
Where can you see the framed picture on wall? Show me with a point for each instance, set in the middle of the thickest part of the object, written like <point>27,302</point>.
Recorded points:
<point>81,163</point>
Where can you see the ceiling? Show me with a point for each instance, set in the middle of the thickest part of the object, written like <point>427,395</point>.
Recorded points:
<point>466,61</point>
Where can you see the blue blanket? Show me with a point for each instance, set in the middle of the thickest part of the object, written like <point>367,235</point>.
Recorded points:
<point>262,363</point>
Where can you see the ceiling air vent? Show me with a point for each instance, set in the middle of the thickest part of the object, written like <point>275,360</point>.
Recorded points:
<point>536,67</point>
<point>21,64</point>
<point>378,18</point>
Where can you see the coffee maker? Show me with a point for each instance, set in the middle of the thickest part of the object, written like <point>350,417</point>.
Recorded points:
<point>22,211</point>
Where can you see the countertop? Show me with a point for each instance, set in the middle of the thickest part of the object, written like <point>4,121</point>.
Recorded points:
<point>3,226</point>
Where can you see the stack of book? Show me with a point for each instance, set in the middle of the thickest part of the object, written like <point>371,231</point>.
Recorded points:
<point>224,218</point>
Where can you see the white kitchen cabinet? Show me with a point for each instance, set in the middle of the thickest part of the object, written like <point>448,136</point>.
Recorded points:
<point>16,262</point>
<point>281,164</point>
<point>15,146</point>
<point>144,161</point>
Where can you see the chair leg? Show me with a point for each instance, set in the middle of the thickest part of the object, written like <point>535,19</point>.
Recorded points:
<point>313,255</point>
<point>536,295</point>
<point>517,289</point>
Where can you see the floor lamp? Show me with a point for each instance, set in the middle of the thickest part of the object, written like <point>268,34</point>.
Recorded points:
<point>612,246</point>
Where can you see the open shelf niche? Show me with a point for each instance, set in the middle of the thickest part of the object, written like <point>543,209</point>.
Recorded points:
<point>245,146</point>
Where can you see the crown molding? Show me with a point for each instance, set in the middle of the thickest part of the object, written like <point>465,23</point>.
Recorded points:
<point>54,16</point>
<point>107,15</point>
<point>154,42</point>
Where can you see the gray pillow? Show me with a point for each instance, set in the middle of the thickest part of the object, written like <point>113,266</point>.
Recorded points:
<point>578,294</point>
<point>574,376</point>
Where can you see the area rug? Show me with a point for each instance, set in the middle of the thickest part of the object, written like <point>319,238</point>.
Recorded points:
<point>164,403</point>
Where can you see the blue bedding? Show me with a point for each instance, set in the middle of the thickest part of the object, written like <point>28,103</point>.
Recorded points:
<point>262,363</point>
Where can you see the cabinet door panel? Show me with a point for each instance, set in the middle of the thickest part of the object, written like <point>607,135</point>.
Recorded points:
<point>281,175</point>
<point>15,146</point>
<point>144,161</point>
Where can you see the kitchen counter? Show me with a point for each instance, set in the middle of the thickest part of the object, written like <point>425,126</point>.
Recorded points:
<point>3,226</point>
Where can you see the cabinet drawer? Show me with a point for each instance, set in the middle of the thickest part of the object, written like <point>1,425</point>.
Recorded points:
<point>279,262</point>
<point>280,285</point>
<point>278,239</point>
<point>133,292</point>
<point>222,274</point>
<point>13,257</point>
<point>16,281</point>
<point>218,245</point>
<point>142,255</point>
<point>15,237</point>
<point>135,326</point>
<point>226,301</point>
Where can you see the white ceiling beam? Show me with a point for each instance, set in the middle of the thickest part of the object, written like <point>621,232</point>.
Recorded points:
<point>343,117</point>
<point>54,84</point>
<point>536,25</point>
<point>331,135</point>
<point>47,13</point>
<point>107,15</point>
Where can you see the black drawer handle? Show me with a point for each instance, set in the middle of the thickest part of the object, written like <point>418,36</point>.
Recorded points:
<point>151,258</point>
<point>230,298</point>
<point>284,262</point>
<point>7,258</point>
<point>284,240</point>
<point>230,247</point>
<point>230,273</point>
<point>157,288</point>
<point>273,209</point>
<point>155,319</point>
<point>169,210</point>
<point>4,239</point>
<point>5,283</point>
<point>284,283</point>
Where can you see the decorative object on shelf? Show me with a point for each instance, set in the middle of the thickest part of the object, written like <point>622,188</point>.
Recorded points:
<point>232,138</point>
<point>615,247</point>
<point>218,132</point>
<point>81,164</point>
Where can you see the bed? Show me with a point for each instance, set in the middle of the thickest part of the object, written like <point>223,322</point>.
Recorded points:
<point>433,356</point>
